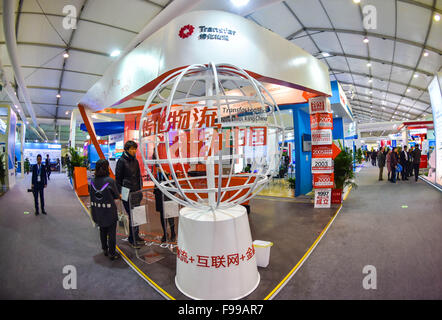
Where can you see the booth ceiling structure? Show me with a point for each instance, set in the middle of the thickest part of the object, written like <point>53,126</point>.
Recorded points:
<point>386,77</point>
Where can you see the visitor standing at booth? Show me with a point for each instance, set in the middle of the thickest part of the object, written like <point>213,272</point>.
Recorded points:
<point>381,163</point>
<point>410,163</point>
<point>128,175</point>
<point>374,155</point>
<point>103,192</point>
<point>393,164</point>
<point>404,163</point>
<point>388,161</point>
<point>159,204</point>
<point>39,182</point>
<point>416,161</point>
<point>48,166</point>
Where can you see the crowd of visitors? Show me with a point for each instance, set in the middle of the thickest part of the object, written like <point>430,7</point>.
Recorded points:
<point>400,164</point>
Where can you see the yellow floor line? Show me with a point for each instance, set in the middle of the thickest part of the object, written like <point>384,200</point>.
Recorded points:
<point>292,272</point>
<point>160,290</point>
<point>85,208</point>
<point>163,292</point>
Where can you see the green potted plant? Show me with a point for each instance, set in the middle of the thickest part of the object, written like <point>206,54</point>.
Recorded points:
<point>75,160</point>
<point>343,173</point>
<point>27,165</point>
<point>292,183</point>
<point>359,156</point>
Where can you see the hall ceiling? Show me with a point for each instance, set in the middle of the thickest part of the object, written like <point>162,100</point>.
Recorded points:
<point>405,31</point>
<point>394,87</point>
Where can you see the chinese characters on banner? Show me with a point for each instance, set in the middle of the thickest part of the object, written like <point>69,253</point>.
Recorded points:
<point>321,122</point>
<point>189,126</point>
<point>222,261</point>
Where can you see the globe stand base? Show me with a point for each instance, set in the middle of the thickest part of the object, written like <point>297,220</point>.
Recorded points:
<point>216,258</point>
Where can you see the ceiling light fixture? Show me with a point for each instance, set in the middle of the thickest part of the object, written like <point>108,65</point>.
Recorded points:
<point>408,90</point>
<point>65,55</point>
<point>115,53</point>
<point>436,17</point>
<point>415,75</point>
<point>369,64</point>
<point>356,1</point>
<point>370,80</point>
<point>425,54</point>
<point>58,96</point>
<point>365,40</point>
<point>239,3</point>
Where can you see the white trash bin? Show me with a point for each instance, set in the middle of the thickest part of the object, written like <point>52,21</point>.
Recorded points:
<point>262,249</point>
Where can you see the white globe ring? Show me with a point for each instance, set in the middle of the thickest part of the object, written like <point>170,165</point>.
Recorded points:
<point>214,74</point>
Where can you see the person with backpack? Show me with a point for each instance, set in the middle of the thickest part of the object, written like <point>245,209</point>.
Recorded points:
<point>103,192</point>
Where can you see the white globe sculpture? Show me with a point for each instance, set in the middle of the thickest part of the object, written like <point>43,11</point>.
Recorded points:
<point>189,92</point>
<point>199,129</point>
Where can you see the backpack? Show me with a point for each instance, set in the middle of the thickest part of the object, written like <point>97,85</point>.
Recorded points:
<point>98,196</point>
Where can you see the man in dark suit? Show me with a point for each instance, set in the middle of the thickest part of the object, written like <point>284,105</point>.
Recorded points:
<point>39,182</point>
<point>416,161</point>
<point>404,158</point>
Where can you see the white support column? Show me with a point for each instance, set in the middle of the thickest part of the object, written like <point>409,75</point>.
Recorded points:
<point>73,128</point>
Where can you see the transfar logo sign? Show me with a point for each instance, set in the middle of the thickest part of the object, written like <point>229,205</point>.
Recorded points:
<point>186,31</point>
<point>207,32</point>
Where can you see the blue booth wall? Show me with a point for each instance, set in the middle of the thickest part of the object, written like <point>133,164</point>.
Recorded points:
<point>93,156</point>
<point>338,129</point>
<point>303,161</point>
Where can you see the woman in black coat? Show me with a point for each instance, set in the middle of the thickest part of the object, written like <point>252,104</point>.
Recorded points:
<point>103,192</point>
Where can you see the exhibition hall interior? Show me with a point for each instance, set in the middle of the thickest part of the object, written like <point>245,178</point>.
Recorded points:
<point>243,150</point>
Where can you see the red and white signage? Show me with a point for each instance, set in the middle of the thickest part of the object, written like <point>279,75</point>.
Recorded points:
<point>314,124</point>
<point>319,105</point>
<point>320,121</point>
<point>322,151</point>
<point>322,137</point>
<point>322,165</point>
<point>321,124</point>
<point>323,180</point>
<point>325,120</point>
<point>323,198</point>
